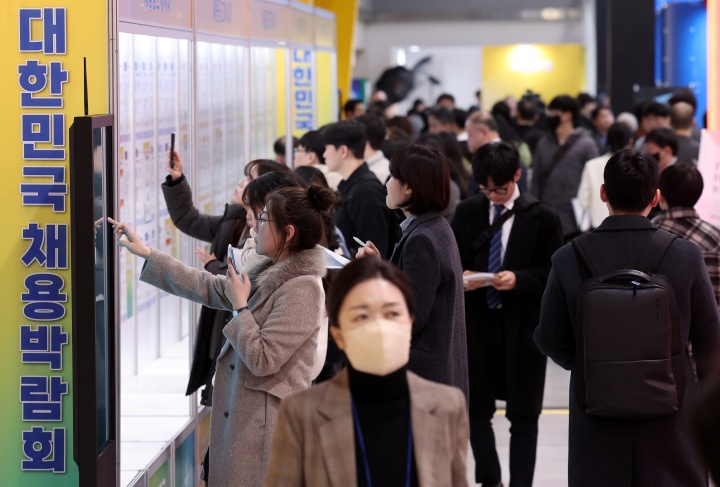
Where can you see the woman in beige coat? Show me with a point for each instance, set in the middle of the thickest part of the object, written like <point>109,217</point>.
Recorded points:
<point>374,424</point>
<point>271,342</point>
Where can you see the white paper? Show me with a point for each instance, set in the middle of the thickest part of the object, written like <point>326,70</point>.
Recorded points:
<point>479,276</point>
<point>333,259</point>
<point>582,215</point>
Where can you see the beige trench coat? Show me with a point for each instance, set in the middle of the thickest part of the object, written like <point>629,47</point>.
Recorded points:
<point>268,355</point>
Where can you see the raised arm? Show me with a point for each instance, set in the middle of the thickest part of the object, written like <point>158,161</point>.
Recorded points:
<point>171,275</point>
<point>182,210</point>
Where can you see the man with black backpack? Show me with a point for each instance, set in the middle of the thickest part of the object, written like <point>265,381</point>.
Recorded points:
<point>620,308</point>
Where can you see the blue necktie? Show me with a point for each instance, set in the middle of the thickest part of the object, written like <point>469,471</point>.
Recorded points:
<point>495,260</point>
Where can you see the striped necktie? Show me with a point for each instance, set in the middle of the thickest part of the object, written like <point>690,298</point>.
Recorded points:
<point>495,259</point>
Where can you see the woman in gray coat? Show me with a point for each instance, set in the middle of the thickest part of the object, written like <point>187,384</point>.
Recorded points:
<point>271,341</point>
<point>428,255</point>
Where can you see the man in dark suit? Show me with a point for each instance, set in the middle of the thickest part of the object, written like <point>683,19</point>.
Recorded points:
<point>363,213</point>
<point>501,313</point>
<point>622,452</point>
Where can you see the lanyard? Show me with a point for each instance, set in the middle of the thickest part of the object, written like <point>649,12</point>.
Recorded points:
<point>361,440</point>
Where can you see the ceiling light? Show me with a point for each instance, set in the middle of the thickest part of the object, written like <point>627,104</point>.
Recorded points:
<point>551,14</point>
<point>400,57</point>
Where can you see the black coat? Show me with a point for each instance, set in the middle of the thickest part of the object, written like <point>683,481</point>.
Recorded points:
<point>428,255</point>
<point>534,237</point>
<point>220,230</point>
<point>363,213</point>
<point>624,453</point>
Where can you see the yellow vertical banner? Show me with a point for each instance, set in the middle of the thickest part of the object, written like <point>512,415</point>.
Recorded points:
<point>280,94</point>
<point>324,88</point>
<point>42,45</point>
<point>346,15</point>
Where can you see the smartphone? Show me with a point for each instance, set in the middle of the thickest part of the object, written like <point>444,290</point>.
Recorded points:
<point>172,150</point>
<point>231,258</point>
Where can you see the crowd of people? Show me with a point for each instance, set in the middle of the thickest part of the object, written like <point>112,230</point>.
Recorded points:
<point>464,233</point>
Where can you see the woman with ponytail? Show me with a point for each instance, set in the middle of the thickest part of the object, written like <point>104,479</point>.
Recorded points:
<point>272,339</point>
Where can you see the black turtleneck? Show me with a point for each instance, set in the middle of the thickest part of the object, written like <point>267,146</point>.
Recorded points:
<point>383,406</point>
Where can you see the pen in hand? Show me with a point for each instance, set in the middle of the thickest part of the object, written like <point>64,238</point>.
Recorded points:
<point>360,242</point>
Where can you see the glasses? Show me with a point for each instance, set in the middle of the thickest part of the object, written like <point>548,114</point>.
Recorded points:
<point>260,220</point>
<point>497,191</point>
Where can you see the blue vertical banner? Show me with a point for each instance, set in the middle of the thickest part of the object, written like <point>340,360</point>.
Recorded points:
<point>682,49</point>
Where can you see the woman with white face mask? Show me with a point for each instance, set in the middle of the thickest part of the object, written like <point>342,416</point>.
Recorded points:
<point>273,337</point>
<point>375,423</point>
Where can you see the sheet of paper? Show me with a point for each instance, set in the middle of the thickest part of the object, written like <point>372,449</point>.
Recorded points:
<point>479,276</point>
<point>334,260</point>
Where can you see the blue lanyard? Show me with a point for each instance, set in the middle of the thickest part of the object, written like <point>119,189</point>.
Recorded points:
<point>361,440</point>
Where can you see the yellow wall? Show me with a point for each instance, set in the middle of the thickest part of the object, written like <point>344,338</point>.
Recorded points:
<point>280,94</point>
<point>324,90</point>
<point>346,15</point>
<point>550,70</point>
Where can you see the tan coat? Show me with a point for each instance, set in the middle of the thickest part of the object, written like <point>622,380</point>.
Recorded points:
<point>314,442</point>
<point>268,355</point>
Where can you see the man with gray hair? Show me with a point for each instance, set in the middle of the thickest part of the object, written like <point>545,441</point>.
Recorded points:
<point>682,121</point>
<point>482,129</point>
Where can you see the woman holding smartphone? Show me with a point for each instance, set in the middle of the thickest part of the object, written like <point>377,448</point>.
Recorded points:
<point>271,342</point>
<point>428,254</point>
<point>220,231</point>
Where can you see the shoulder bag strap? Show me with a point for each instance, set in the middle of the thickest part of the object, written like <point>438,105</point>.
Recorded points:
<point>657,248</point>
<point>590,252</point>
<point>557,157</point>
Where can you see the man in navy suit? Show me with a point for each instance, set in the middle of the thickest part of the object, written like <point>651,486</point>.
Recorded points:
<point>514,237</point>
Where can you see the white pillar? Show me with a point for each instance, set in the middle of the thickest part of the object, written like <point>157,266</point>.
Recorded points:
<point>590,43</point>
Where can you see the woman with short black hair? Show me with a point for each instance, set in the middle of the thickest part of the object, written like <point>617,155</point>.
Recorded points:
<point>419,185</point>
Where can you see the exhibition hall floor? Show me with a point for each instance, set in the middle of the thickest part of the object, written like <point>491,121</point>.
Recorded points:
<point>551,466</point>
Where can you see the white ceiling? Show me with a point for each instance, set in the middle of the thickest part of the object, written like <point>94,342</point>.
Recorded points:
<point>398,10</point>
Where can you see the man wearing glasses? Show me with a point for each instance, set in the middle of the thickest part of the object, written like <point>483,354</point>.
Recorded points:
<point>509,237</point>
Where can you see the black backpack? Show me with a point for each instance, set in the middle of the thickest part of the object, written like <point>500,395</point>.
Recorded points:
<point>630,352</point>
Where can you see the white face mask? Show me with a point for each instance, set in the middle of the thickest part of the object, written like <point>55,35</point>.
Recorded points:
<point>379,348</point>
